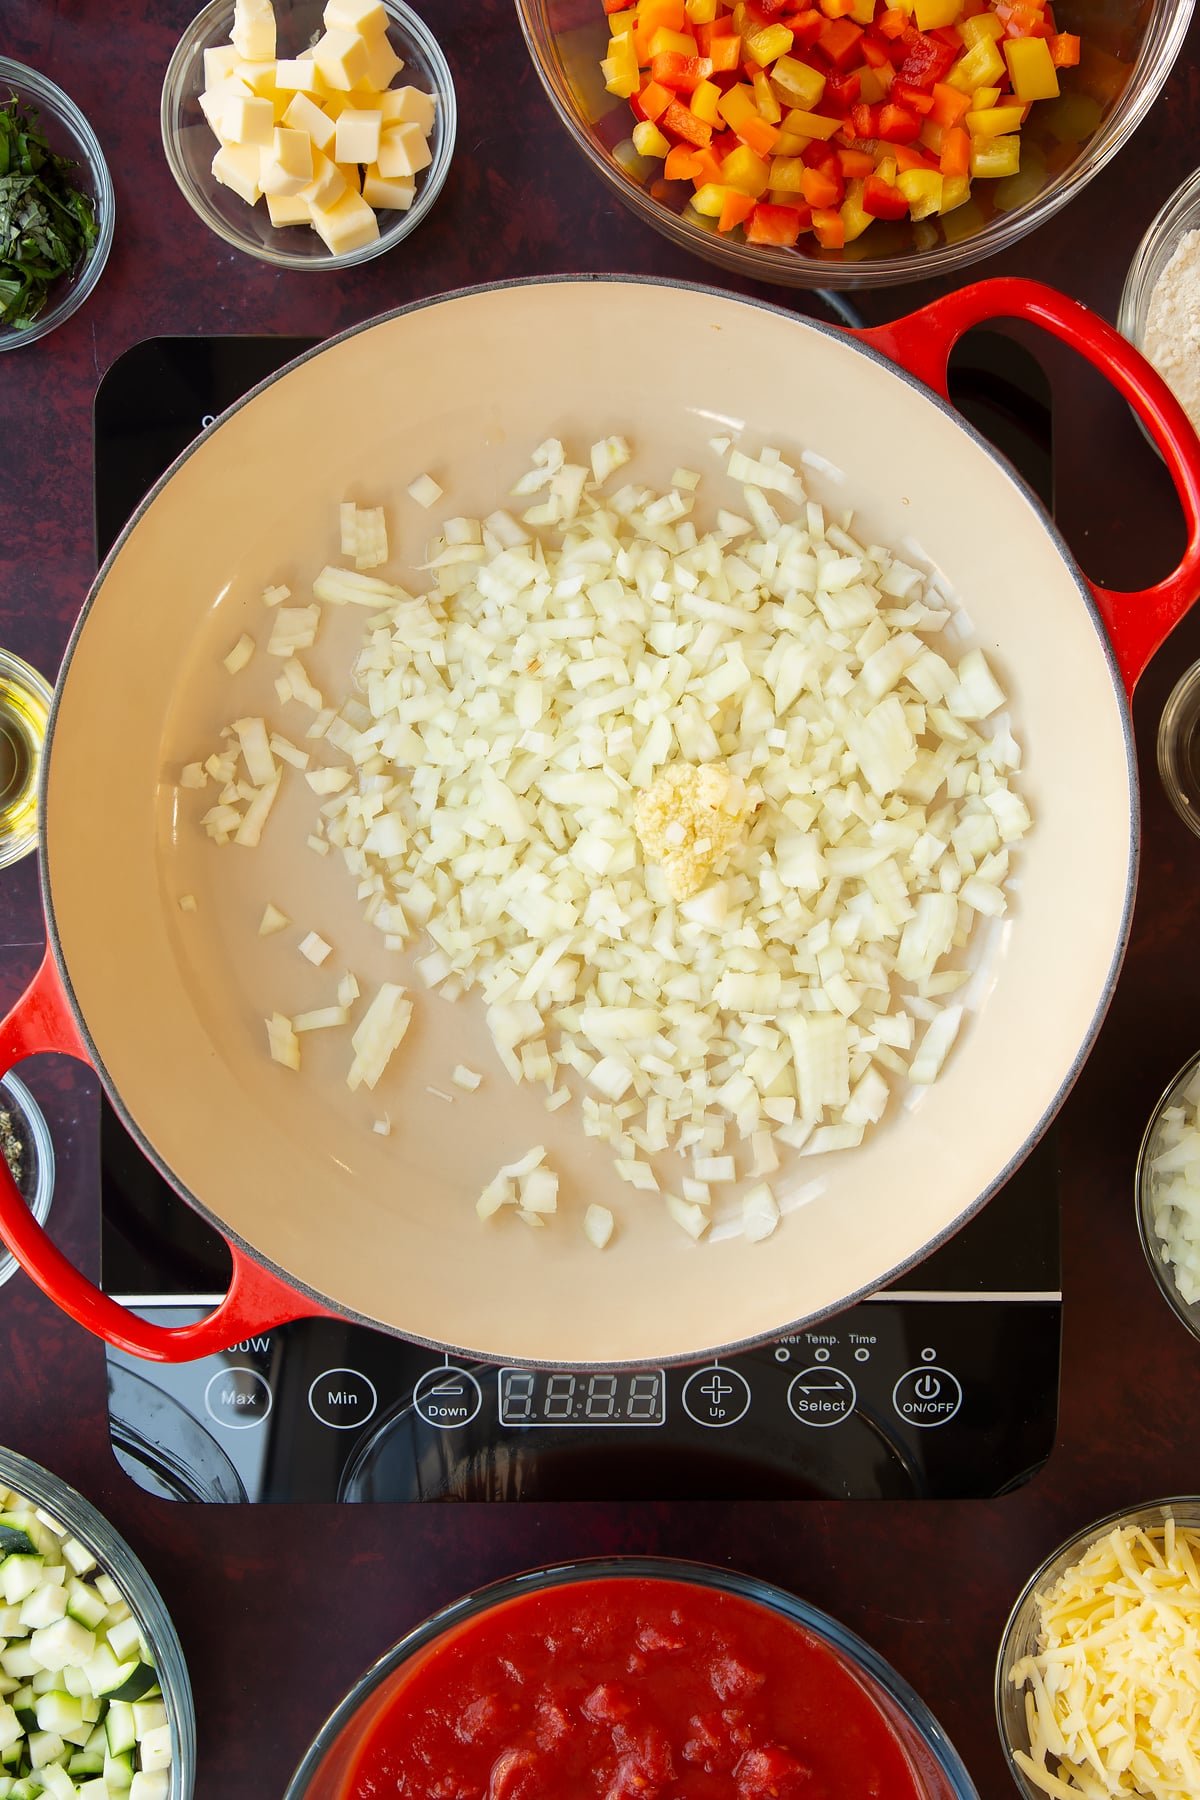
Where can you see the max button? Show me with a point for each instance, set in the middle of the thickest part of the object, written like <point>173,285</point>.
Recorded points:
<point>927,1396</point>
<point>447,1398</point>
<point>342,1399</point>
<point>716,1396</point>
<point>238,1398</point>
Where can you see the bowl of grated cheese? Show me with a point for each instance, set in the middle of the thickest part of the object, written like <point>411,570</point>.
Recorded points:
<point>1095,1684</point>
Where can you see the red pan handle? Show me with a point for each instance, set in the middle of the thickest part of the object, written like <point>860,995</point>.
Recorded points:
<point>1137,622</point>
<point>257,1300</point>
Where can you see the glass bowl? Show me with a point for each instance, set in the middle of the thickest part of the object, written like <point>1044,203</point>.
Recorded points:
<point>1178,747</point>
<point>35,1182</point>
<point>1020,1634</point>
<point>1180,215</point>
<point>143,1598</point>
<point>1185,1086</point>
<point>68,133</point>
<point>1128,53</point>
<point>935,1765</point>
<point>190,145</point>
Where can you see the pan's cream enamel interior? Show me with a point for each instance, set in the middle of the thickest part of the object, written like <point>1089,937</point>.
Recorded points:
<point>174,1002</point>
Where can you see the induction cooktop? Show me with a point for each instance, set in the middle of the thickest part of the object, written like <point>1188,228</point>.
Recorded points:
<point>943,1385</point>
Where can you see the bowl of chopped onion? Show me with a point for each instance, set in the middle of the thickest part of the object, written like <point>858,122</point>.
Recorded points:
<point>1167,1187</point>
<point>1093,1696</point>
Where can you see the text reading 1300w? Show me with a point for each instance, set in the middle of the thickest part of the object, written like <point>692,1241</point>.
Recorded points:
<point>537,1397</point>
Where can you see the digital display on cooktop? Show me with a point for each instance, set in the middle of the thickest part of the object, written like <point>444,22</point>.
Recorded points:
<point>567,1397</point>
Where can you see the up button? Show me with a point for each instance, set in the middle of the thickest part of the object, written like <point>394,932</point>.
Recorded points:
<point>927,1396</point>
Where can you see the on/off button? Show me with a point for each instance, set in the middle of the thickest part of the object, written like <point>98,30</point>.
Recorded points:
<point>342,1399</point>
<point>927,1396</point>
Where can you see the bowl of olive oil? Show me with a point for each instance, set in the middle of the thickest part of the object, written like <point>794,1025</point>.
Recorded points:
<point>24,711</point>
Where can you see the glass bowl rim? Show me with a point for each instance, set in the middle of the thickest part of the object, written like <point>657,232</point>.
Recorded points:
<point>192,43</point>
<point>571,1572</point>
<point>1135,292</point>
<point>87,1523</point>
<point>1078,1542</point>
<point>766,264</point>
<point>33,1118</point>
<point>1141,1197</point>
<point>48,95</point>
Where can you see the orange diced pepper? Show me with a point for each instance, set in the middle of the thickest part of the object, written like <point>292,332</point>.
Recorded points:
<point>734,209</point>
<point>909,157</point>
<point>725,53</point>
<point>655,13</point>
<point>856,164</point>
<point>955,158</point>
<point>949,105</point>
<point>819,189</point>
<point>778,225</point>
<point>654,99</point>
<point>707,166</point>
<point>893,23</point>
<point>830,229</point>
<point>680,164</point>
<point>683,73</point>
<point>1064,50</point>
<point>683,123</point>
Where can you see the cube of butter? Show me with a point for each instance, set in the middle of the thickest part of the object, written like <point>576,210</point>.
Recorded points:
<point>327,185</point>
<point>403,151</point>
<point>342,58</point>
<point>396,195</point>
<point>214,100</point>
<point>347,225</point>
<point>357,135</point>
<point>303,114</point>
<point>219,63</point>
<point>253,34</point>
<point>365,17</point>
<point>287,166</point>
<point>248,119</point>
<point>288,209</point>
<point>384,65</point>
<point>236,166</point>
<point>259,77</point>
<point>299,76</point>
<point>409,106</point>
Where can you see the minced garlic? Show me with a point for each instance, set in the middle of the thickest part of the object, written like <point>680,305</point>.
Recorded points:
<point>690,817</point>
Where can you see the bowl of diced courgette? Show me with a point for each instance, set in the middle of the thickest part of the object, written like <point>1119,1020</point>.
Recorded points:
<point>95,1702</point>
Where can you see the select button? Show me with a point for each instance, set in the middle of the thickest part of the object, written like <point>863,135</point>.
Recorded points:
<point>342,1399</point>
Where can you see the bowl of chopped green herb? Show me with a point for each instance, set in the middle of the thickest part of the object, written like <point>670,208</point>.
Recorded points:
<point>56,206</point>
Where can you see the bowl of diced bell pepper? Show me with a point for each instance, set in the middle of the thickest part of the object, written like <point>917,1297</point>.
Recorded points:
<point>850,143</point>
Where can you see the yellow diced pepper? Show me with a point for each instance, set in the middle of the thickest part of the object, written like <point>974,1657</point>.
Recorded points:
<point>764,46</point>
<point>983,25</point>
<point>993,157</point>
<point>737,105</point>
<point>870,87</point>
<point>648,140</point>
<point>620,23</point>
<point>995,121</point>
<point>930,14</point>
<point>984,97</point>
<point>748,173</point>
<point>862,11</point>
<point>980,67</point>
<point>788,144</point>
<point>704,101</point>
<point>680,41</point>
<point>800,123</point>
<point>786,172</point>
<point>955,189</point>
<point>768,106</point>
<point>886,168</point>
<point>700,12</point>
<point>709,199</point>
<point>854,219</point>
<point>922,188</point>
<point>1031,66</point>
<point>620,67</point>
<point>799,84</point>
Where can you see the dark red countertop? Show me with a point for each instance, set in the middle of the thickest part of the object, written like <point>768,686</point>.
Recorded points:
<point>280,1608</point>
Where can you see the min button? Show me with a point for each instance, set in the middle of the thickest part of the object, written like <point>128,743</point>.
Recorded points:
<point>342,1399</point>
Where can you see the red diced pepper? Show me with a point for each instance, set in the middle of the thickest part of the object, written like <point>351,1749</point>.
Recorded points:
<point>956,152</point>
<point>830,229</point>
<point>875,54</point>
<point>672,70</point>
<point>770,8</point>
<point>806,27</point>
<point>897,124</point>
<point>820,155</point>
<point>779,225</point>
<point>907,95</point>
<point>855,164</point>
<point>865,120</point>
<point>612,6</point>
<point>882,200</point>
<point>820,189</point>
<point>839,41</point>
<point>927,59</point>
<point>841,92</point>
<point>1064,50</point>
<point>683,123</point>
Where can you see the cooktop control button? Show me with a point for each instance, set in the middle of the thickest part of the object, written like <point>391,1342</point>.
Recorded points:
<point>238,1398</point>
<point>927,1396</point>
<point>822,1396</point>
<point>342,1399</point>
<point>716,1396</point>
<point>447,1398</point>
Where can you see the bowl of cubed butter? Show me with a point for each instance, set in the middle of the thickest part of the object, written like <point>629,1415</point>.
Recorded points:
<point>311,136</point>
<point>95,1702</point>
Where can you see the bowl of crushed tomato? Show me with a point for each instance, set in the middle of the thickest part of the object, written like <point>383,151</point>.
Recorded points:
<point>631,1679</point>
<point>850,143</point>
